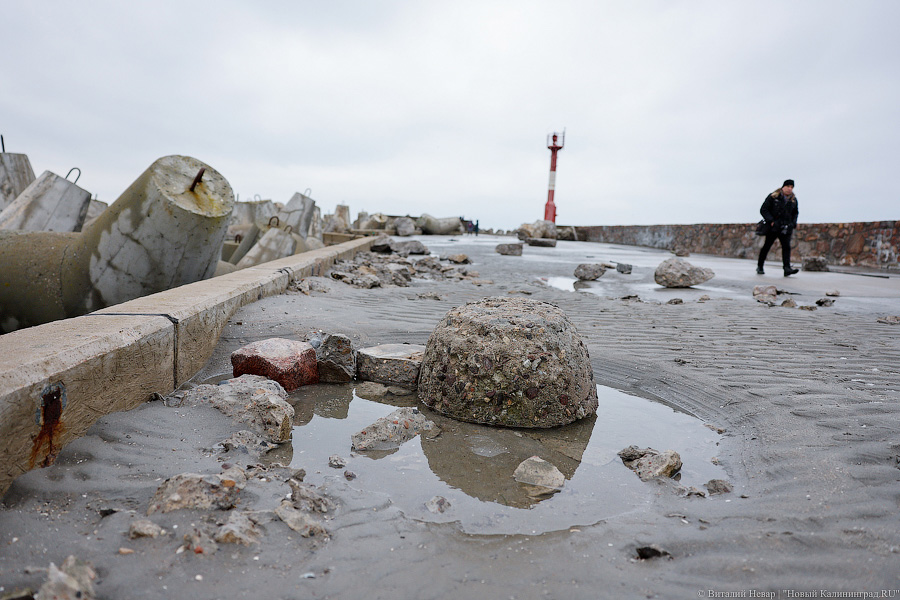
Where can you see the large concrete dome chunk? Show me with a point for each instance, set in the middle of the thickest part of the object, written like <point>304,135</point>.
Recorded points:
<point>510,362</point>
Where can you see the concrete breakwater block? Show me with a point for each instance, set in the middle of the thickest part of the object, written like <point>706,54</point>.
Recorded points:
<point>290,363</point>
<point>16,174</point>
<point>390,364</point>
<point>50,203</point>
<point>509,249</point>
<point>274,244</point>
<point>511,362</point>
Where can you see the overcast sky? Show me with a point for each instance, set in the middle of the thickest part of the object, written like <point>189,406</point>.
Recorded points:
<point>675,111</point>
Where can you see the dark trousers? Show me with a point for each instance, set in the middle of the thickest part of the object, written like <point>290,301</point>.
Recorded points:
<point>785,239</point>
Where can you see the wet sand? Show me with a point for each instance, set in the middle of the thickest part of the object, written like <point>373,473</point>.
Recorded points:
<point>809,401</point>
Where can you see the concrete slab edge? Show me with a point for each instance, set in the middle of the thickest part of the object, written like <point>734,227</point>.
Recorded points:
<point>57,379</point>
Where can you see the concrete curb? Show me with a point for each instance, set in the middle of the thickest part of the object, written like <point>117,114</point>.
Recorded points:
<point>57,379</point>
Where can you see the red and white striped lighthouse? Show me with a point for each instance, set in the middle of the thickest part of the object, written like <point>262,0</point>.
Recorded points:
<point>555,143</point>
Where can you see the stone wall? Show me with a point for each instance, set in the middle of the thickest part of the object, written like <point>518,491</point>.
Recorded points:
<point>874,244</point>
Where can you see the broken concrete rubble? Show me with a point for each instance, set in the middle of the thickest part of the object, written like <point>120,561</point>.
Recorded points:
<point>589,271</point>
<point>252,400</point>
<point>539,477</point>
<point>648,463</point>
<point>336,359</point>
<point>678,273</point>
<point>509,249</point>
<point>390,432</point>
<point>390,364</point>
<point>74,580</point>
<point>381,269</point>
<point>193,490</point>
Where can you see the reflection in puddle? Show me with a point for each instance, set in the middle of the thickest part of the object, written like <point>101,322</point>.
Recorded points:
<point>472,465</point>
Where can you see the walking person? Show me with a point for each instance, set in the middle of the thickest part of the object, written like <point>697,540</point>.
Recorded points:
<point>780,213</point>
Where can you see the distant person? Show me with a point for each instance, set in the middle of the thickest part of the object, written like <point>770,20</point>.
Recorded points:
<point>476,227</point>
<point>780,212</point>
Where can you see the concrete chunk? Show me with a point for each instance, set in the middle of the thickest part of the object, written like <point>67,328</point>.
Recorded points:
<point>390,364</point>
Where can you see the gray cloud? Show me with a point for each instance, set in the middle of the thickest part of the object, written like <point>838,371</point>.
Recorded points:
<point>676,112</point>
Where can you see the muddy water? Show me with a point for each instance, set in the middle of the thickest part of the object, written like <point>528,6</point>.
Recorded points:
<point>471,466</point>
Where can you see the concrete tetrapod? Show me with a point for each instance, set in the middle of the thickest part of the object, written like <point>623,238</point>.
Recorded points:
<point>16,174</point>
<point>164,231</point>
<point>50,203</point>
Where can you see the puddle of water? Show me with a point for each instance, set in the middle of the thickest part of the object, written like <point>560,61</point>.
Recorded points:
<point>472,465</point>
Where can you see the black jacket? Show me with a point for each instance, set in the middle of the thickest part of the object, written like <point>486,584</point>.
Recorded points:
<point>779,210</point>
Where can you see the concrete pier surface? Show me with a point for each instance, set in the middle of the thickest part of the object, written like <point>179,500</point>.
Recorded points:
<point>806,400</point>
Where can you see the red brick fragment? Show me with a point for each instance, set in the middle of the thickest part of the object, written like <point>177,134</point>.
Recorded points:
<point>290,363</point>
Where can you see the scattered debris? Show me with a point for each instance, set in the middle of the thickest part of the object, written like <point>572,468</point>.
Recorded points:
<point>815,263</point>
<point>428,296</point>
<point>388,433</point>
<point>765,293</point>
<point>825,302</point>
<point>144,528</point>
<point>539,477</point>
<point>678,273</point>
<point>336,359</point>
<point>390,364</point>
<point>891,320</point>
<point>300,521</point>
<point>337,462</point>
<point>719,486</point>
<point>438,504</point>
<point>459,259</point>
<point>252,400</point>
<point>247,442</point>
<point>200,542</point>
<point>74,580</point>
<point>192,490</point>
<point>509,249</point>
<point>241,528</point>
<point>589,271</point>
<point>648,463</point>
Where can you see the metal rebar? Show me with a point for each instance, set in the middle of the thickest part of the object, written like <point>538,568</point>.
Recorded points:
<point>197,178</point>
